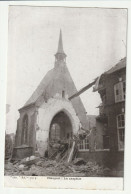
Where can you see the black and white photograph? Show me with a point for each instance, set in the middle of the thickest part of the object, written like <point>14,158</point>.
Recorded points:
<point>66,92</point>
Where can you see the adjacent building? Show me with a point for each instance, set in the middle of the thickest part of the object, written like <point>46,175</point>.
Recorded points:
<point>112,87</point>
<point>106,142</point>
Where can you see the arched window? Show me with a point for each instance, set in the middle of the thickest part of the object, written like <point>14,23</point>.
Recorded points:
<point>24,130</point>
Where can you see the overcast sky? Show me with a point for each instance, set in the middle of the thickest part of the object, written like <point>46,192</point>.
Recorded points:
<point>94,40</point>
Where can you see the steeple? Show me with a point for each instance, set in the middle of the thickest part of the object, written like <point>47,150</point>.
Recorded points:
<point>60,55</point>
<point>60,44</point>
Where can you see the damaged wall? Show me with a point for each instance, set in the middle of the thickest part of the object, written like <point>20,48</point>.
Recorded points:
<point>45,115</point>
<point>51,97</point>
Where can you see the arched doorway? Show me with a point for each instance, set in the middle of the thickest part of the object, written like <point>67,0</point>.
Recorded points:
<point>60,129</point>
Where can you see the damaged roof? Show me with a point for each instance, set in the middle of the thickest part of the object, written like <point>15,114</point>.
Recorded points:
<point>40,89</point>
<point>120,65</point>
<point>55,81</point>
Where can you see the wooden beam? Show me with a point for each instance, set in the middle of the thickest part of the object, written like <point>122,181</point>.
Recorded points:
<point>82,90</point>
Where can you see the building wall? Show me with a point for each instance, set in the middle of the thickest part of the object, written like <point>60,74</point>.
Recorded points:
<point>110,81</point>
<point>112,160</point>
<point>31,113</point>
<point>106,124</point>
<point>96,137</point>
<point>45,115</point>
<point>111,108</point>
<point>49,102</point>
<point>100,131</point>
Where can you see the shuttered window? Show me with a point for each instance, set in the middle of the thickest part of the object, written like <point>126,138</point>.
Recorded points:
<point>119,90</point>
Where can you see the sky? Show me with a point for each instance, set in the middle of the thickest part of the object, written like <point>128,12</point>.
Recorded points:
<point>94,40</point>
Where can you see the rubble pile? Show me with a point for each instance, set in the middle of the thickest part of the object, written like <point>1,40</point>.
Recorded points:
<point>62,162</point>
<point>35,166</point>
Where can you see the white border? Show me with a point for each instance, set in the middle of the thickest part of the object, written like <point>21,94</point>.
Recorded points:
<point>3,66</point>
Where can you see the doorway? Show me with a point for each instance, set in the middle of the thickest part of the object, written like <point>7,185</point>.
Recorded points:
<point>60,130</point>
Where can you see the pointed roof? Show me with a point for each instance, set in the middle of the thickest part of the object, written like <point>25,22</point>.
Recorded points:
<point>54,81</point>
<point>60,44</point>
<point>60,55</point>
<point>60,49</point>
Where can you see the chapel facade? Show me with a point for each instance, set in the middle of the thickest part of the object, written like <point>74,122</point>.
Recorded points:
<point>49,115</point>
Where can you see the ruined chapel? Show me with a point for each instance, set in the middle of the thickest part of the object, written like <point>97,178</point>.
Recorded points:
<point>49,115</point>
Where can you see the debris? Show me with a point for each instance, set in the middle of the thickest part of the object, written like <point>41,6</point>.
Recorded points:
<point>79,161</point>
<point>27,159</point>
<point>39,163</point>
<point>44,167</point>
<point>82,136</point>
<point>72,169</point>
<point>71,152</point>
<point>21,166</point>
<point>30,161</point>
<point>8,166</point>
<point>32,158</point>
<point>62,162</point>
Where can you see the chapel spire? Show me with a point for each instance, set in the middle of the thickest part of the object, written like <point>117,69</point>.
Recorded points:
<point>60,55</point>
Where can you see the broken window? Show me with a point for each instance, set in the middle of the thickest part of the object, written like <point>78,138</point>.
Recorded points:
<point>119,90</point>
<point>121,129</point>
<point>83,145</point>
<point>24,130</point>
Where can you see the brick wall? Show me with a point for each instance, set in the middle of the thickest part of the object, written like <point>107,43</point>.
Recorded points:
<point>112,160</point>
